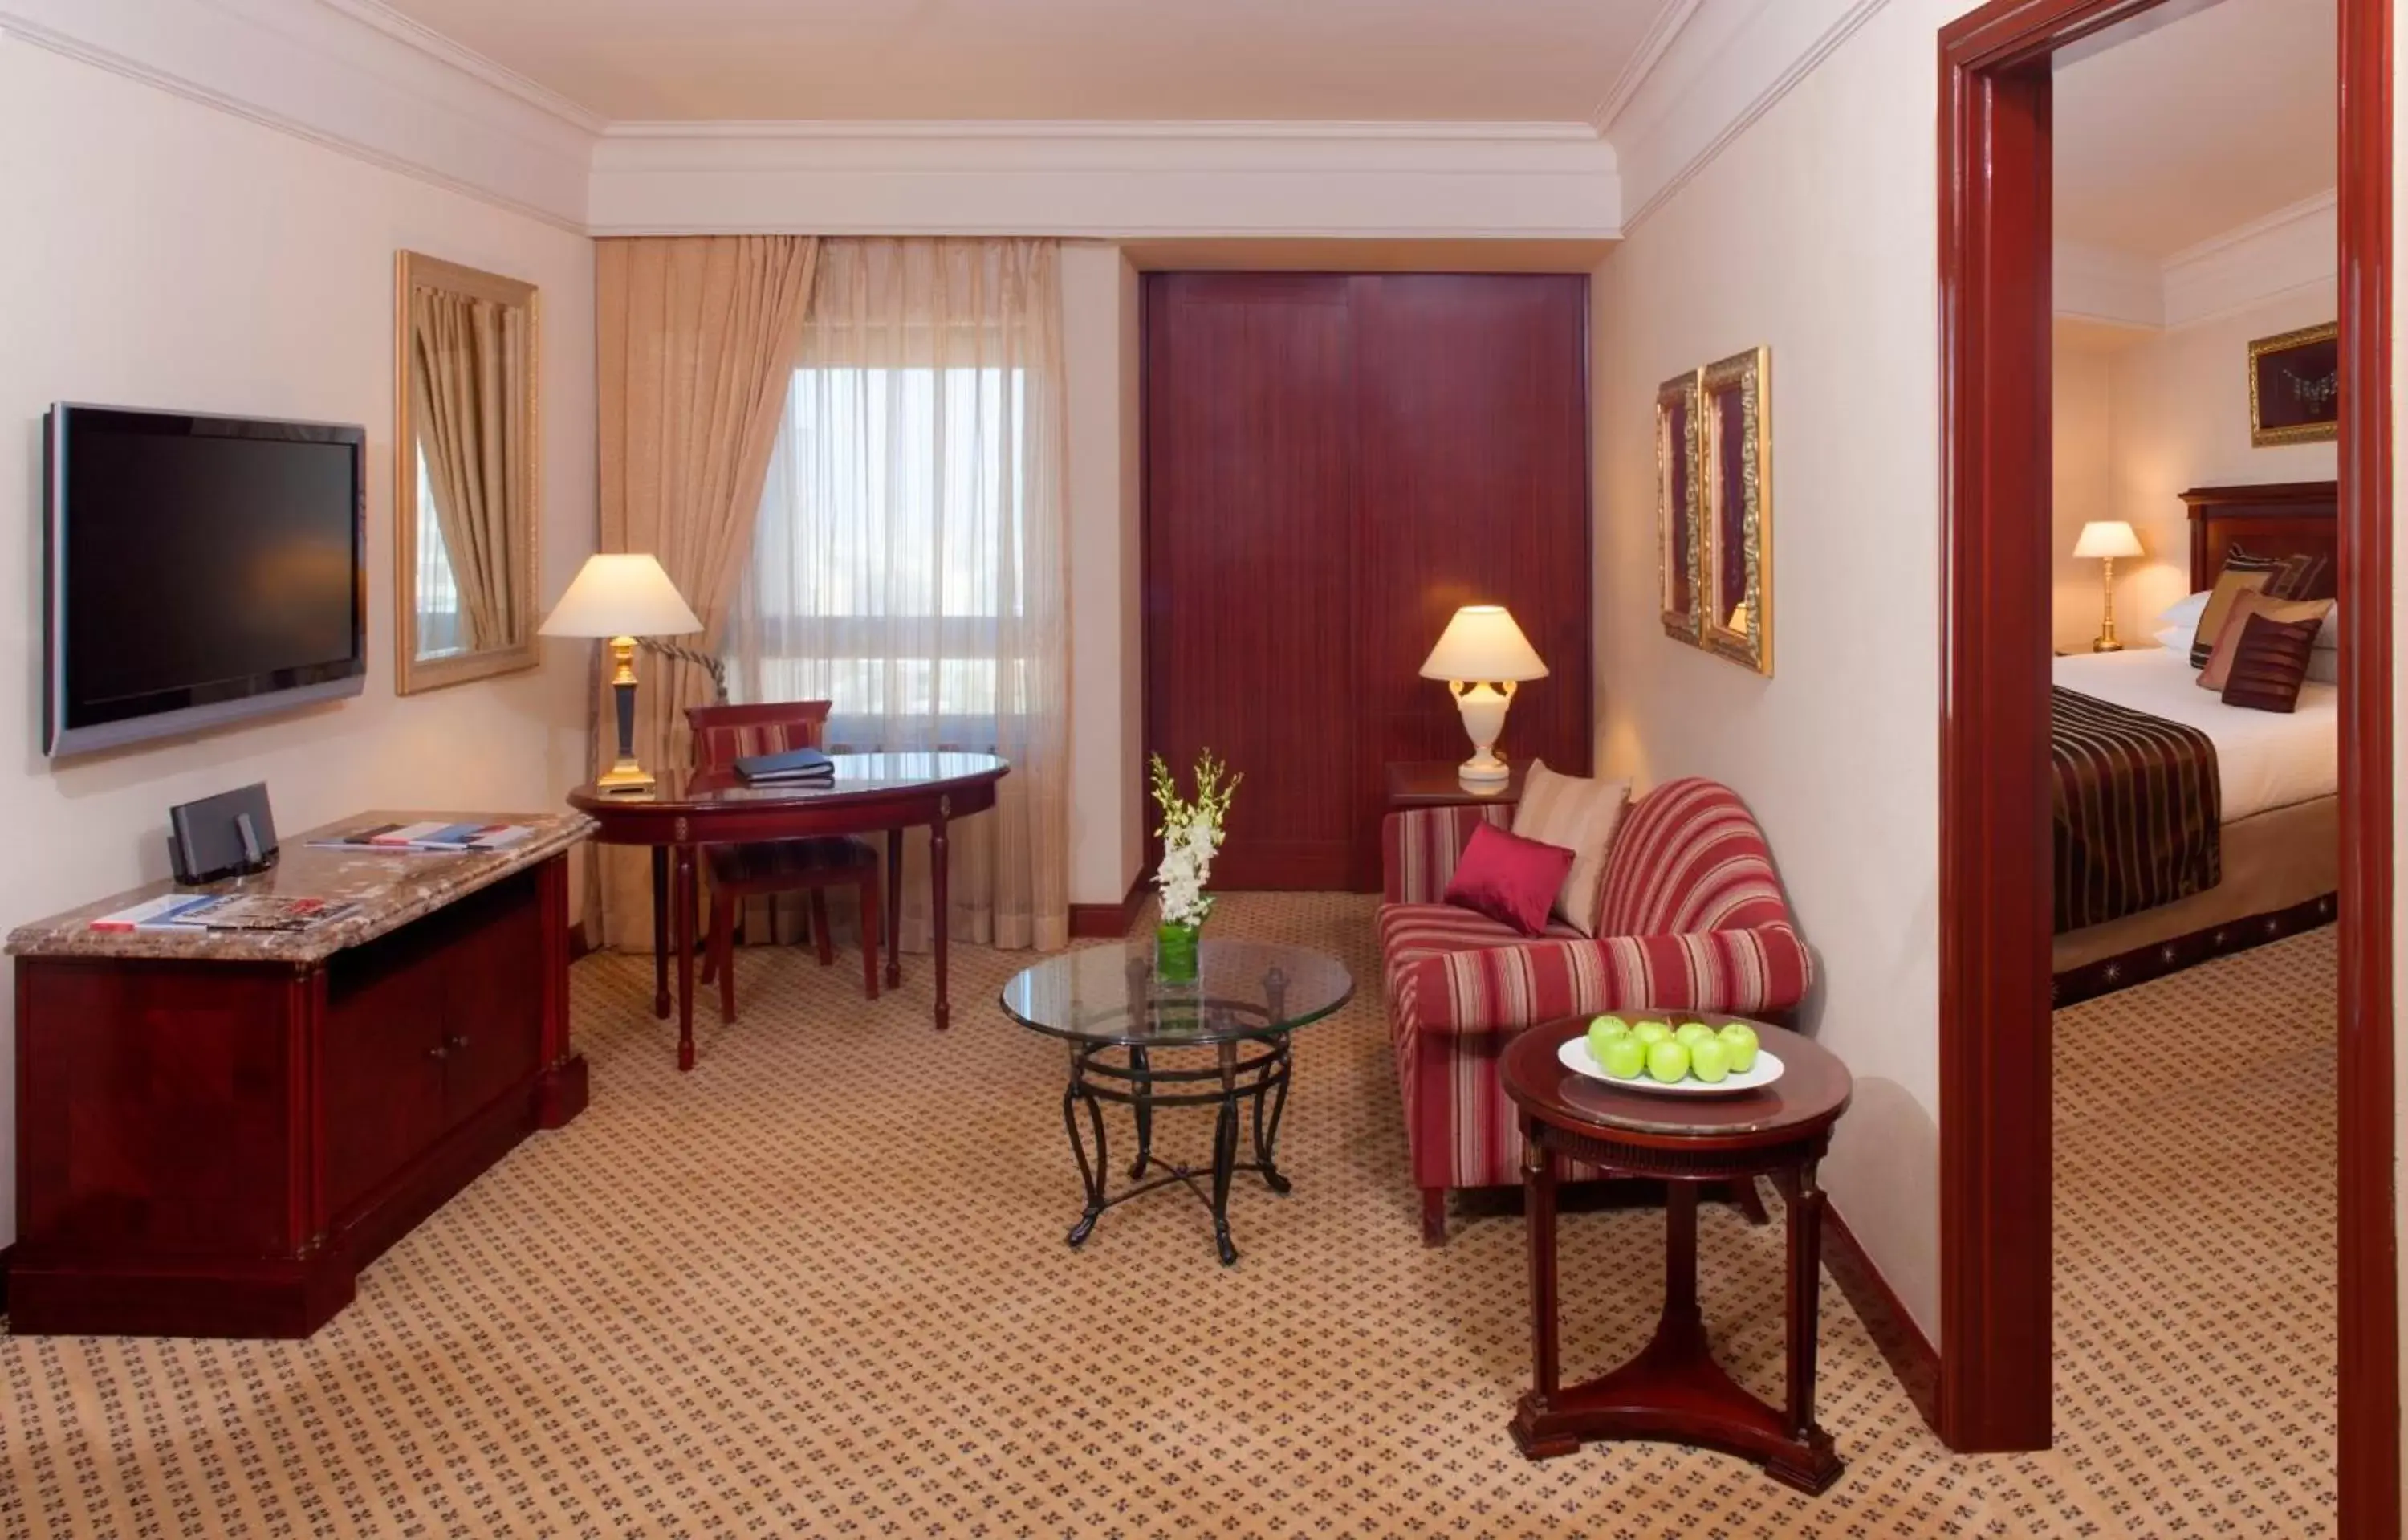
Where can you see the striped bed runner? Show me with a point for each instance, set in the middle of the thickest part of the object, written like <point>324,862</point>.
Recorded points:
<point>2137,810</point>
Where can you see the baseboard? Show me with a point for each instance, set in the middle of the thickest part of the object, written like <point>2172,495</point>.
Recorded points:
<point>2158,958</point>
<point>1894,1331</point>
<point>1107,921</point>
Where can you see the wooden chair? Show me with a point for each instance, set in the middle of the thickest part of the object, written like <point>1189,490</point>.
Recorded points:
<point>722,735</point>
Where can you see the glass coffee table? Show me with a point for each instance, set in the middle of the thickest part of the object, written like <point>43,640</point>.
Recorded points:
<point>1145,1042</point>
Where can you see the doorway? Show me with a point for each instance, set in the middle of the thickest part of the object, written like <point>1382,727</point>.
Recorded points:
<point>1995,263</point>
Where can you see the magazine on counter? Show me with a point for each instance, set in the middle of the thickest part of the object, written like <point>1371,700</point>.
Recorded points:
<point>429,838</point>
<point>200,912</point>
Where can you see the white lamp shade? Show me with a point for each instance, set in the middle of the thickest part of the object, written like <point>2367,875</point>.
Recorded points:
<point>1483,644</point>
<point>2107,538</point>
<point>621,596</point>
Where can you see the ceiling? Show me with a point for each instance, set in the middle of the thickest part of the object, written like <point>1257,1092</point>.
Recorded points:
<point>1500,61</point>
<point>2195,126</point>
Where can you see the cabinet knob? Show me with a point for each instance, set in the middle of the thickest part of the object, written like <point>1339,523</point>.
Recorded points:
<point>441,1050</point>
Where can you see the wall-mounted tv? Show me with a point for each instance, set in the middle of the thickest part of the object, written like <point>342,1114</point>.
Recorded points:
<point>197,570</point>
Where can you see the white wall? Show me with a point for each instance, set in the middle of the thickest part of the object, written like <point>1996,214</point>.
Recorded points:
<point>1099,338</point>
<point>2082,407</point>
<point>166,254</point>
<point>1838,753</point>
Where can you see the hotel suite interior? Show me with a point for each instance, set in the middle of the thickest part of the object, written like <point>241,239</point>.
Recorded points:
<point>1126,770</point>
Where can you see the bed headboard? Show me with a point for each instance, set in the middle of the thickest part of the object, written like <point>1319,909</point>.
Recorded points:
<point>2277,519</point>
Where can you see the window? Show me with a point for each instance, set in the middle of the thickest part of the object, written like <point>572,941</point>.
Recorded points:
<point>442,628</point>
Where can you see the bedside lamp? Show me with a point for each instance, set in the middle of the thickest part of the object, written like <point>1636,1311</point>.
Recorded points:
<point>621,598</point>
<point>2107,539</point>
<point>1482,654</point>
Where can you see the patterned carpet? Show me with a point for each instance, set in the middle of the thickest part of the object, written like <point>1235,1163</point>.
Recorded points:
<point>818,1287</point>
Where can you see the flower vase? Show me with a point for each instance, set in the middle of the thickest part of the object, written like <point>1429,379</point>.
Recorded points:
<point>1174,952</point>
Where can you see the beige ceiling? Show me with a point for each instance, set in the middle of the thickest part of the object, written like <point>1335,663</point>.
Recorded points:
<point>2196,126</point>
<point>1515,61</point>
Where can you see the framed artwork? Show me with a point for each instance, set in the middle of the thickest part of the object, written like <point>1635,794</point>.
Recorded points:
<point>1679,550</point>
<point>1734,407</point>
<point>2295,386</point>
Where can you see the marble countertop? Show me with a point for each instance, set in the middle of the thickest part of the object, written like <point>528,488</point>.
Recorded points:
<point>390,890</point>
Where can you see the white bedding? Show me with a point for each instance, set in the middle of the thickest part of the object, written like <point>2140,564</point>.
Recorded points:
<point>2264,759</point>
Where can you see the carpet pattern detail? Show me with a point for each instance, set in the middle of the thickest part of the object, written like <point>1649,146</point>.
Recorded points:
<point>818,1287</point>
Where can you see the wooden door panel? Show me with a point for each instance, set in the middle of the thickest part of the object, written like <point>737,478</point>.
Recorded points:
<point>1249,426</point>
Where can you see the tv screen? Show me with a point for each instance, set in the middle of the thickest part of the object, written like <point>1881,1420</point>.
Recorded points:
<point>200,569</point>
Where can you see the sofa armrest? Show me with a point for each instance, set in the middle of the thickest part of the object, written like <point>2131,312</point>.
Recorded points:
<point>1418,848</point>
<point>1756,972</point>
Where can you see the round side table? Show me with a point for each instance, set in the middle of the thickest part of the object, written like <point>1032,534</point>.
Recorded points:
<point>1674,1389</point>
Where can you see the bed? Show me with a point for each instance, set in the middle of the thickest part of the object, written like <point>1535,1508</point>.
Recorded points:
<point>2271,866</point>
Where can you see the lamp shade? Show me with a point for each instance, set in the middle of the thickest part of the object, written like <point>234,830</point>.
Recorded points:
<point>2107,538</point>
<point>1482,644</point>
<point>621,596</point>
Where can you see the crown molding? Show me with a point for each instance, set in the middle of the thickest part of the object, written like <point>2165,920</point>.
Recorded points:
<point>1386,180</point>
<point>417,35</point>
<point>322,71</point>
<point>2096,284</point>
<point>1727,64</point>
<point>1660,37</point>
<point>2270,257</point>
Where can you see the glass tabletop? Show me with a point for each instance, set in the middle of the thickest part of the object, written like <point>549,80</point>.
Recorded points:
<point>1112,994</point>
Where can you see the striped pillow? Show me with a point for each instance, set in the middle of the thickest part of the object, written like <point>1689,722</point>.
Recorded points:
<point>2287,577</point>
<point>2248,606</point>
<point>2269,663</point>
<point>1578,816</point>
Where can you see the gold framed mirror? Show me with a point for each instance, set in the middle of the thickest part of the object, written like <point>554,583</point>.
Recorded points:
<point>1678,553</point>
<point>1736,423</point>
<point>468,483</point>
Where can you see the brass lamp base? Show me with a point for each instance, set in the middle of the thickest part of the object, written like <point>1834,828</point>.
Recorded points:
<point>2106,641</point>
<point>625,778</point>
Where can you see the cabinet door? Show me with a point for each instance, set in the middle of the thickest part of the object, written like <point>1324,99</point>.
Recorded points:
<point>493,1013</point>
<point>383,1073</point>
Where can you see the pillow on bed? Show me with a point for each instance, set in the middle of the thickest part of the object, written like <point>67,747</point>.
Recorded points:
<point>2176,639</point>
<point>2184,616</point>
<point>2229,586</point>
<point>2290,577</point>
<point>2269,663</point>
<point>2324,666</point>
<point>2248,606</point>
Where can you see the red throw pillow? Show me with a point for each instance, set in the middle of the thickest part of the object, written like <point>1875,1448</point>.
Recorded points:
<point>1509,878</point>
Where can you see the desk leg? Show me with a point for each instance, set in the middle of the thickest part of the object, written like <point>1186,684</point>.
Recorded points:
<point>683,904</point>
<point>660,932</point>
<point>1806,1203</point>
<point>941,902</point>
<point>894,908</point>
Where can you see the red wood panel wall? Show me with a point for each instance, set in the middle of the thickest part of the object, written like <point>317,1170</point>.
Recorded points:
<point>1333,463</point>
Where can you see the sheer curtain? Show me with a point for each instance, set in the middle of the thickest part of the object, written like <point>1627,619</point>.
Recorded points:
<point>909,565</point>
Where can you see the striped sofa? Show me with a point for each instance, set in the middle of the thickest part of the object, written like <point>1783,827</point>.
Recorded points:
<point>1693,919</point>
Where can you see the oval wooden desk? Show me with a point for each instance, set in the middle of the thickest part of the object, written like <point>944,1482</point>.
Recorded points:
<point>871,793</point>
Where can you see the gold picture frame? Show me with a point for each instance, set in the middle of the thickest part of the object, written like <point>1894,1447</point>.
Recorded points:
<point>1678,467</point>
<point>2294,387</point>
<point>1735,430</point>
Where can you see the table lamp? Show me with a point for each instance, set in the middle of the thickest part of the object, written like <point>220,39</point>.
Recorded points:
<point>2107,539</point>
<point>1482,654</point>
<point>620,598</point>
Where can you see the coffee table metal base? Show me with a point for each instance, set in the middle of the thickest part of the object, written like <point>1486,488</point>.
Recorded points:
<point>1252,1070</point>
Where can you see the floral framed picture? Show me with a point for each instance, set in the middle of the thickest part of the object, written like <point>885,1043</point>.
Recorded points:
<point>1734,409</point>
<point>1679,550</point>
<point>2294,387</point>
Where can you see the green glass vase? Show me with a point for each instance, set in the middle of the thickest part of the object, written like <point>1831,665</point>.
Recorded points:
<point>1174,952</point>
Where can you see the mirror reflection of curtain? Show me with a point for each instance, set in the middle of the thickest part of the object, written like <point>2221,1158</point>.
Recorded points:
<point>468,392</point>
<point>910,562</point>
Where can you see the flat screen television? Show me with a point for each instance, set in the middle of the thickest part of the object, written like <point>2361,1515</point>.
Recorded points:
<point>197,570</point>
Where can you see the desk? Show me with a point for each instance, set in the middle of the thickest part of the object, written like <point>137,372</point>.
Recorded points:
<point>871,793</point>
<point>1674,1389</point>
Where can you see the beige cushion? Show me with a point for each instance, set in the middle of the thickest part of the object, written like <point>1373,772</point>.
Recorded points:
<point>2229,586</point>
<point>2228,641</point>
<point>1581,816</point>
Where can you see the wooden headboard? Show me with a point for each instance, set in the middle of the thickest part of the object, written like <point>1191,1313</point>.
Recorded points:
<point>2276,519</point>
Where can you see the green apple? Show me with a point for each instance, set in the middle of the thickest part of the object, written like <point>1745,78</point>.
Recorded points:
<point>1607,1027</point>
<point>1692,1033</point>
<point>1652,1032</point>
<point>1739,1038</point>
<point>1709,1060</point>
<point>1668,1061</point>
<point>1624,1059</point>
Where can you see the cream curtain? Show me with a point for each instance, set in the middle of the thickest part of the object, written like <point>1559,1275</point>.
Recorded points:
<point>909,565</point>
<point>468,399</point>
<point>695,350</point>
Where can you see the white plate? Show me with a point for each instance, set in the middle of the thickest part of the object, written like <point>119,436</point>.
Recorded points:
<point>1574,1055</point>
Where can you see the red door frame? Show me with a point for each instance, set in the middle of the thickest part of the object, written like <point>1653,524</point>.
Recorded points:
<point>1994,1066</point>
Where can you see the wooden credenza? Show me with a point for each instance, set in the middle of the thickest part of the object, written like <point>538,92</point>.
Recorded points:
<point>215,1134</point>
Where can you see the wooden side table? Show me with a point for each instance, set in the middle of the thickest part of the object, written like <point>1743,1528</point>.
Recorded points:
<point>1674,1389</point>
<point>1434,783</point>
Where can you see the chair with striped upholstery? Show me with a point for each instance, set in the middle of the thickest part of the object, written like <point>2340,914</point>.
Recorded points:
<point>1693,919</point>
<point>721,736</point>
